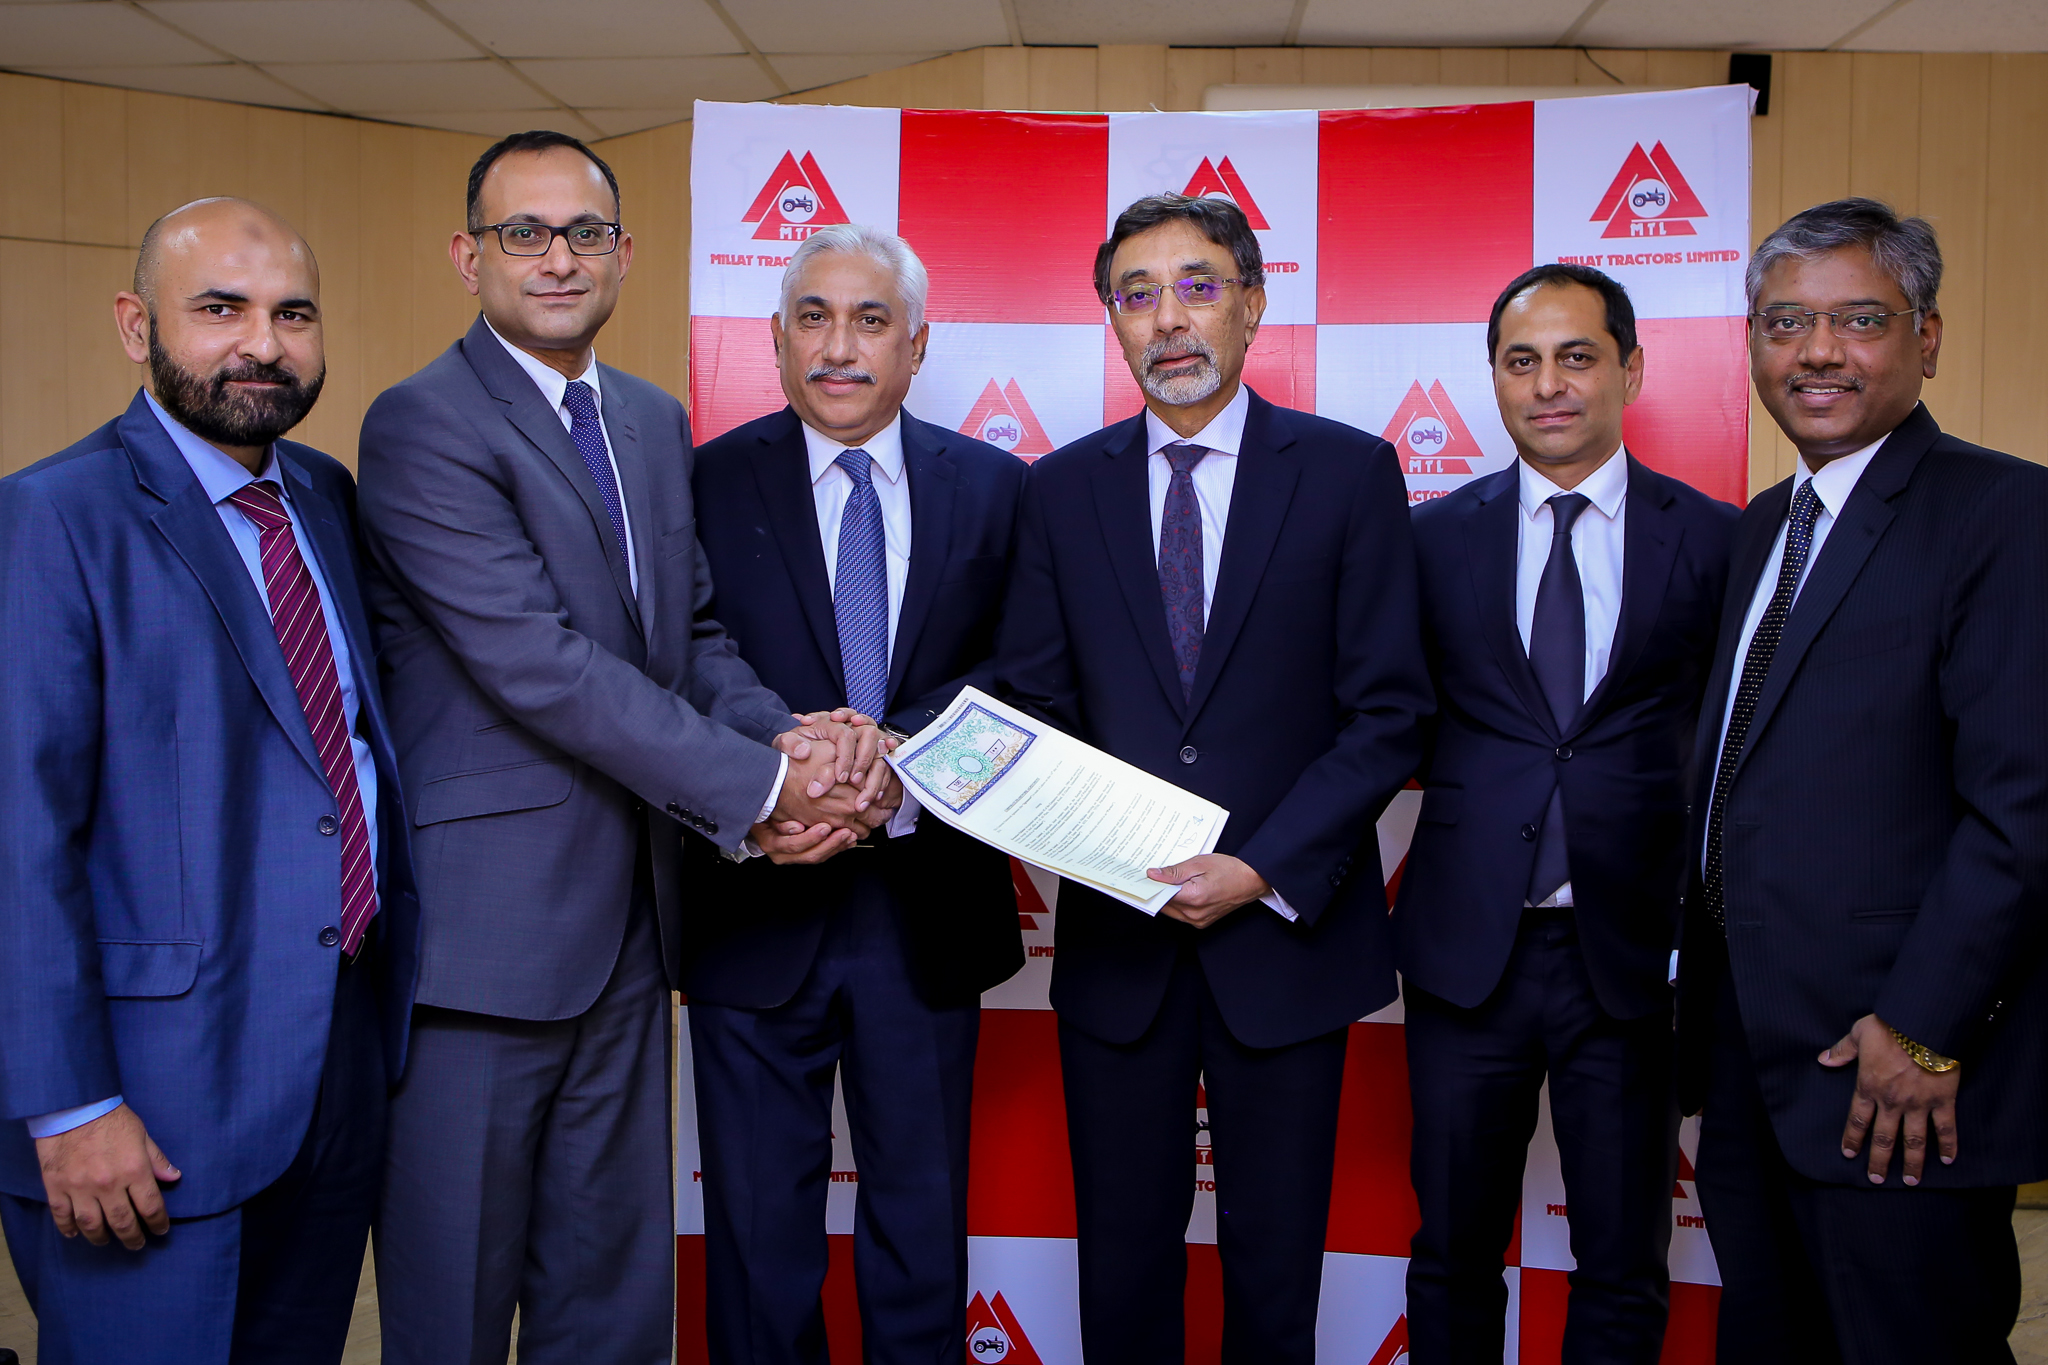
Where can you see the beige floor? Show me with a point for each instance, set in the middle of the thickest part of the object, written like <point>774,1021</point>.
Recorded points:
<point>2029,1339</point>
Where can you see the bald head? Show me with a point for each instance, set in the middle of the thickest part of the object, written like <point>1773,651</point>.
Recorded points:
<point>214,226</point>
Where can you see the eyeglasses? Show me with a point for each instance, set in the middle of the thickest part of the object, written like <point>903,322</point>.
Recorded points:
<point>538,239</point>
<point>1850,324</point>
<point>1196,291</point>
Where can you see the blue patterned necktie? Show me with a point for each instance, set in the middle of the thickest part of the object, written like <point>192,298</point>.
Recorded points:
<point>588,434</point>
<point>860,591</point>
<point>1180,562</point>
<point>1557,651</point>
<point>1756,666</point>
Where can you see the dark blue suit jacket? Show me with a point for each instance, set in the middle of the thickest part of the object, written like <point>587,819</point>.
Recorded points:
<point>1886,836</point>
<point>1497,753</point>
<point>1303,723</point>
<point>755,927</point>
<point>163,880</point>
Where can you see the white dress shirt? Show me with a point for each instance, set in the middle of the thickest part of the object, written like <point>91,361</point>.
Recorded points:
<point>1214,479</point>
<point>222,477</point>
<point>1597,541</point>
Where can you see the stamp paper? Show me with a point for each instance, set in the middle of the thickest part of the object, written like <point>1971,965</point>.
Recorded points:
<point>967,757</point>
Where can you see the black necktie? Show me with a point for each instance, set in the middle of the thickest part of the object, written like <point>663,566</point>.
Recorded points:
<point>1756,665</point>
<point>1557,651</point>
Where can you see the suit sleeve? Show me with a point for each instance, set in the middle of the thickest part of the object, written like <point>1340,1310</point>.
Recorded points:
<point>914,713</point>
<point>56,1041</point>
<point>1983,922</point>
<point>1382,696</point>
<point>437,521</point>
<point>1034,667</point>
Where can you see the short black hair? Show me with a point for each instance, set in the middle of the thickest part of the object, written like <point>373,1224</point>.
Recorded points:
<point>539,140</point>
<point>1221,221</point>
<point>1621,314</point>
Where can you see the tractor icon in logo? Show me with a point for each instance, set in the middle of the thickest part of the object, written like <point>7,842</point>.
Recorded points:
<point>1429,434</point>
<point>1003,419</point>
<point>994,1335</point>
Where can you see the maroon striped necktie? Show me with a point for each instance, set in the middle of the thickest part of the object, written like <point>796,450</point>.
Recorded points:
<point>302,634</point>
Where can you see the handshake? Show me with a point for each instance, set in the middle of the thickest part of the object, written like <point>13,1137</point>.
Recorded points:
<point>837,790</point>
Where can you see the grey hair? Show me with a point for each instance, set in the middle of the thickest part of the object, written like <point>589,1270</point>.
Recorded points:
<point>1903,248</point>
<point>883,248</point>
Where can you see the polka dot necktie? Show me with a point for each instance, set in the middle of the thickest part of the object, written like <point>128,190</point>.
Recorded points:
<point>588,434</point>
<point>1180,562</point>
<point>1756,665</point>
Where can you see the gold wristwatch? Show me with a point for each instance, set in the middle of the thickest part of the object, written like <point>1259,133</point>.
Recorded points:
<point>1925,1058</point>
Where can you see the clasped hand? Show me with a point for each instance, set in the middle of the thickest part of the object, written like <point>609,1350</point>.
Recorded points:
<point>837,790</point>
<point>1895,1098</point>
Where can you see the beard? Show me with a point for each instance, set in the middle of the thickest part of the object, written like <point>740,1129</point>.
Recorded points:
<point>1181,389</point>
<point>210,410</point>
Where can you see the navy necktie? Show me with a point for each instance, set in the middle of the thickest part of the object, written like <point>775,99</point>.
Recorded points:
<point>1557,651</point>
<point>588,434</point>
<point>1180,562</point>
<point>1756,666</point>
<point>860,591</point>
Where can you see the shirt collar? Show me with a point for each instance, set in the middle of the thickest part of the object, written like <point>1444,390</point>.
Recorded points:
<point>1605,487</point>
<point>219,474</point>
<point>1224,435</point>
<point>1837,478</point>
<point>885,447</point>
<point>552,382</point>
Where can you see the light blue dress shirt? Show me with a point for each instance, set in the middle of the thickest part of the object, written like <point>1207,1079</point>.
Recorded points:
<point>222,478</point>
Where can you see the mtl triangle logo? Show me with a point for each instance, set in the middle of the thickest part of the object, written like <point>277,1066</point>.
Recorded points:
<point>1221,178</point>
<point>1394,1350</point>
<point>1430,435</point>
<point>1003,419</point>
<point>794,203</point>
<point>1649,198</point>
<point>994,1336</point>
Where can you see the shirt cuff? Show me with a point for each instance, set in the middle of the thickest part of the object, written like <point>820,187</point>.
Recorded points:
<point>1279,906</point>
<point>64,1120</point>
<point>904,821</point>
<point>774,792</point>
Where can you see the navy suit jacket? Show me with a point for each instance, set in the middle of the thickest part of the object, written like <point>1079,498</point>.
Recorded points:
<point>164,881</point>
<point>1886,837</point>
<point>1497,753</point>
<point>755,927</point>
<point>1304,720</point>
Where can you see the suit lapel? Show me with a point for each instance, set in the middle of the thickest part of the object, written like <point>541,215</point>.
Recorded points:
<point>1123,506</point>
<point>782,473</point>
<point>1850,541</point>
<point>1259,497</point>
<point>933,480</point>
<point>1649,547</point>
<point>542,425</point>
<point>192,525</point>
<point>1491,542</point>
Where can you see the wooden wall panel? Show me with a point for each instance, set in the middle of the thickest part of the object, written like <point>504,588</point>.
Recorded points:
<point>1955,106</point>
<point>2016,297</point>
<point>94,147</point>
<point>1131,76</point>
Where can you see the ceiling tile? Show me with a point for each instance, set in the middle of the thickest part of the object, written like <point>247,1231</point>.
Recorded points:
<point>315,30</point>
<point>1955,26</point>
<point>1725,23</point>
<point>617,122</point>
<point>809,70</point>
<point>90,35</point>
<point>586,28</point>
<point>219,81</point>
<point>1244,23</point>
<point>373,87</point>
<point>1451,23</point>
<point>833,26</point>
<point>650,82</point>
<point>488,123</point>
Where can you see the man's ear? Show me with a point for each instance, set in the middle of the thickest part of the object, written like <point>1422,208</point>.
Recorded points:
<point>918,344</point>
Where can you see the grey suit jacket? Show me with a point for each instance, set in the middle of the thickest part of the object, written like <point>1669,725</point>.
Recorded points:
<point>545,716</point>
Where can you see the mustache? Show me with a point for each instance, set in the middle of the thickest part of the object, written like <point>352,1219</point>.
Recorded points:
<point>1843,381</point>
<point>253,372</point>
<point>1177,348</point>
<point>845,373</point>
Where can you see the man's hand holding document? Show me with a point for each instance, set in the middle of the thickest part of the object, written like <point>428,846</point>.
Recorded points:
<point>1047,799</point>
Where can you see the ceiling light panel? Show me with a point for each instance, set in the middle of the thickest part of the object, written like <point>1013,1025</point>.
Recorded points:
<point>89,35</point>
<point>1768,24</point>
<point>650,82</point>
<point>1445,23</point>
<point>315,30</point>
<point>1249,23</point>
<point>877,26</point>
<point>373,87</point>
<point>590,28</point>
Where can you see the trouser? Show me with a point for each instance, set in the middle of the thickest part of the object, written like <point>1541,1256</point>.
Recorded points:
<point>1815,1274</point>
<point>1273,1139</point>
<point>1474,1077</point>
<point>530,1167</point>
<point>271,1280</point>
<point>764,1120</point>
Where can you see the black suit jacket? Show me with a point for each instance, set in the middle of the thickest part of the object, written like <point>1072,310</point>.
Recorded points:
<point>1886,836</point>
<point>1303,721</point>
<point>1497,753</point>
<point>756,926</point>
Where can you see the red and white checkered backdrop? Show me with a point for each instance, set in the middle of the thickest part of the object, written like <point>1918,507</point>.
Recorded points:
<point>1387,234</point>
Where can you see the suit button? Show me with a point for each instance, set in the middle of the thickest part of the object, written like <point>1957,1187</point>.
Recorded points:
<point>328,824</point>
<point>675,810</point>
<point>1529,833</point>
<point>711,827</point>
<point>1564,752</point>
<point>1188,755</point>
<point>329,936</point>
